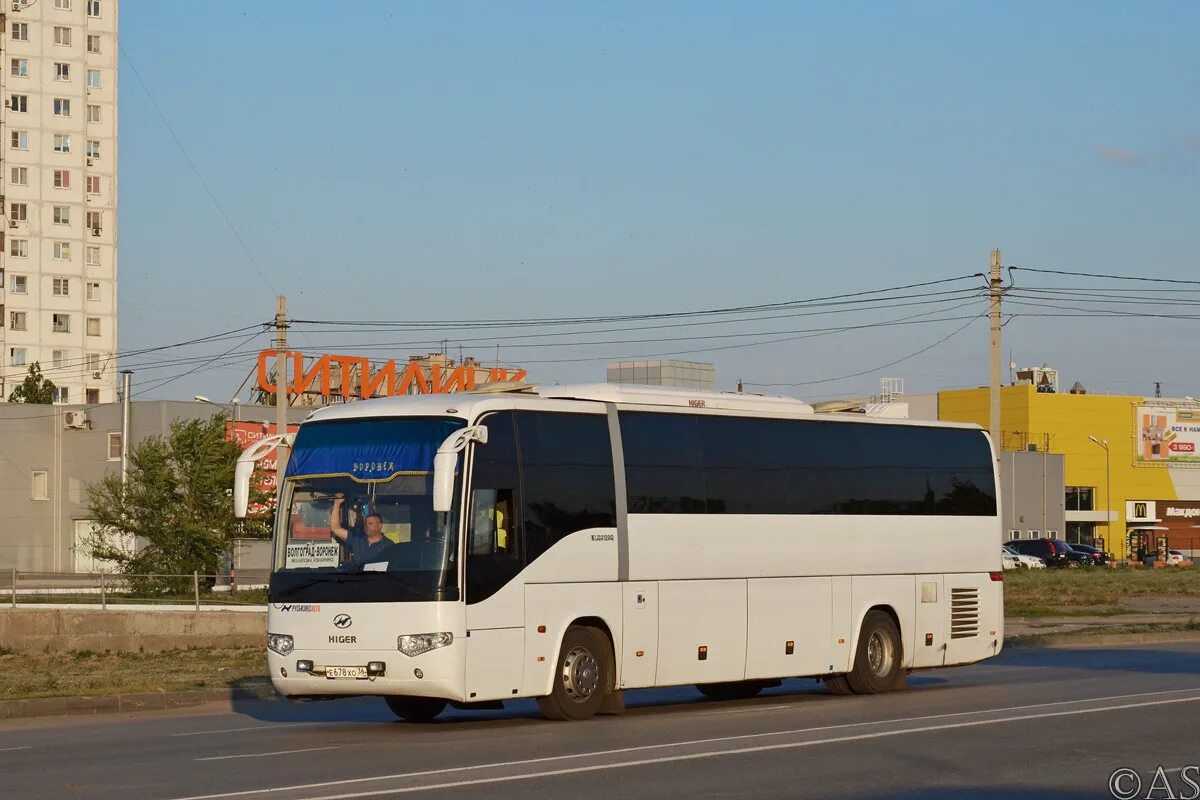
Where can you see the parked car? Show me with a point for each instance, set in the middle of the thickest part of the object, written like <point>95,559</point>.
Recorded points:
<point>1078,558</point>
<point>1053,552</point>
<point>1174,558</point>
<point>1008,559</point>
<point>1022,560</point>
<point>1099,557</point>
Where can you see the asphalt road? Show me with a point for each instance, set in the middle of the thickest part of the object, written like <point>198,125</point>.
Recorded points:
<point>1031,723</point>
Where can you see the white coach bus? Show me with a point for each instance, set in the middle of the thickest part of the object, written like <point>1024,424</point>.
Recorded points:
<point>569,542</point>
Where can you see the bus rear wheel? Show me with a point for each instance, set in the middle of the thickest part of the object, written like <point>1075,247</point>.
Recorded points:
<point>583,676</point>
<point>878,661</point>
<point>415,709</point>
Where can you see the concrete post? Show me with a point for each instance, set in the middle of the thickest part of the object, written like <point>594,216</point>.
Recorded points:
<point>196,587</point>
<point>14,587</point>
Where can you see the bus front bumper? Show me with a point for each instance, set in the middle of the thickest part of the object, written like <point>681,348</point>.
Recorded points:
<point>346,673</point>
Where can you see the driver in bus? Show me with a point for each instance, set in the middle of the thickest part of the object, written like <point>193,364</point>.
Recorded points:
<point>363,549</point>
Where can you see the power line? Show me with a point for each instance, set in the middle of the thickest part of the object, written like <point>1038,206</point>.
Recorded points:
<point>1106,277</point>
<point>174,378</point>
<point>925,349</point>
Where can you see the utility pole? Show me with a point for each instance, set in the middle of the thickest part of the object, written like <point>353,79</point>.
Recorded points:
<point>126,389</point>
<point>281,390</point>
<point>994,293</point>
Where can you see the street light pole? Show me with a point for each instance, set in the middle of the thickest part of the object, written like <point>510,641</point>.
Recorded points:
<point>1107,487</point>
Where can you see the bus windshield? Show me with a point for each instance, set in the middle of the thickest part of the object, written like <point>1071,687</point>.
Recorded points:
<point>359,513</point>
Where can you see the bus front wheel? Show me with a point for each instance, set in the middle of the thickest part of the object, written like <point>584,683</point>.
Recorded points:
<point>878,663</point>
<point>583,676</point>
<point>415,709</point>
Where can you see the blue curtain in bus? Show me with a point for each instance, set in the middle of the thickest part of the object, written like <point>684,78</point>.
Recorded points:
<point>370,449</point>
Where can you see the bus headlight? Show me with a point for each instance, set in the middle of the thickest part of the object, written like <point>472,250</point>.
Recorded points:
<point>414,644</point>
<point>280,643</point>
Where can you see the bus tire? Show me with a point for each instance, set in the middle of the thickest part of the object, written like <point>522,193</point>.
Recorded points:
<point>733,690</point>
<point>838,684</point>
<point>878,661</point>
<point>415,709</point>
<point>583,676</point>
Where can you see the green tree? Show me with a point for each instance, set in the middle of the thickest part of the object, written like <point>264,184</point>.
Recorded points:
<point>36,388</point>
<point>177,503</point>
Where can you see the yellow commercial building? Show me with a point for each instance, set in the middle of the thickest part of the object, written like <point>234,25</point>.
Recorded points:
<point>1131,464</point>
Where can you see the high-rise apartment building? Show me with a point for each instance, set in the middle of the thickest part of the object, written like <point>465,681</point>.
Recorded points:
<point>58,187</point>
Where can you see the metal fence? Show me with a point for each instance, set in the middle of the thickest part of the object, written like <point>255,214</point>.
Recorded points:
<point>114,590</point>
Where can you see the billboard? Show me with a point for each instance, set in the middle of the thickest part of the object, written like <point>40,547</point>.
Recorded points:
<point>1167,435</point>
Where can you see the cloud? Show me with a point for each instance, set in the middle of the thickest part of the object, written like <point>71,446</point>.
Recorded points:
<point>1118,154</point>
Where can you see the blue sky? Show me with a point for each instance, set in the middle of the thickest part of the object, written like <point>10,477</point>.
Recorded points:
<point>386,160</point>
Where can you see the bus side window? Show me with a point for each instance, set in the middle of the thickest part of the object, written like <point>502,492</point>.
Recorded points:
<point>494,534</point>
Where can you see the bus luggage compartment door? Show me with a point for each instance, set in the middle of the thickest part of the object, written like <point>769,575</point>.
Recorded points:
<point>701,631</point>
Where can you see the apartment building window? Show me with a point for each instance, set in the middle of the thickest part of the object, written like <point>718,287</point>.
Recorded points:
<point>93,326</point>
<point>62,107</point>
<point>18,212</point>
<point>93,290</point>
<point>93,148</point>
<point>58,358</point>
<point>93,184</point>
<point>93,8</point>
<point>62,5</point>
<point>40,484</point>
<point>93,43</point>
<point>61,215</point>
<point>93,221</point>
<point>93,256</point>
<point>20,140</point>
<point>62,251</point>
<point>62,143</point>
<point>62,36</point>
<point>62,179</point>
<point>93,397</point>
<point>17,320</point>
<point>61,287</point>
<point>16,356</point>
<point>19,103</point>
<point>18,284</point>
<point>19,176</point>
<point>114,446</point>
<point>60,323</point>
<point>20,31</point>
<point>18,248</point>
<point>93,362</point>
<point>20,67</point>
<point>93,113</point>
<point>62,72</point>
<point>93,78</point>
<point>62,394</point>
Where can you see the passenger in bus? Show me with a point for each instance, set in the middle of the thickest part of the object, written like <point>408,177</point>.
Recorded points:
<point>363,548</point>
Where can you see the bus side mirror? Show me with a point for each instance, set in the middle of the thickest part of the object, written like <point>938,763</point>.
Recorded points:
<point>244,469</point>
<point>445,464</point>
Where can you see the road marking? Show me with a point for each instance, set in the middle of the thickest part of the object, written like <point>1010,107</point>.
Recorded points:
<point>742,750</point>
<point>252,728</point>
<point>738,711</point>
<point>11,749</point>
<point>276,753</point>
<point>685,743</point>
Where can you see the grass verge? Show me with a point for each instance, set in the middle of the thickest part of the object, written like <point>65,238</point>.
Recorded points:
<point>85,672</point>
<point>1053,592</point>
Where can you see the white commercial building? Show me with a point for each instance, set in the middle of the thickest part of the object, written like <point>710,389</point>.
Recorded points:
<point>59,195</point>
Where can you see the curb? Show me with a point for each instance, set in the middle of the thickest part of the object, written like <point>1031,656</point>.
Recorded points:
<point>1101,639</point>
<point>122,703</point>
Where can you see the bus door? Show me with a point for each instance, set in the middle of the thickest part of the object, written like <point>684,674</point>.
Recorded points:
<point>494,556</point>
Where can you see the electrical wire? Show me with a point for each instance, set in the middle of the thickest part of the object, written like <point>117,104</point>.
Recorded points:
<point>1106,277</point>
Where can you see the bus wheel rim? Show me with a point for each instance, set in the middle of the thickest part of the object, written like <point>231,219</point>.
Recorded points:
<point>879,654</point>
<point>580,674</point>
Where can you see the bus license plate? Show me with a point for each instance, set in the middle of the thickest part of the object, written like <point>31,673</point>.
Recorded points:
<point>345,672</point>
